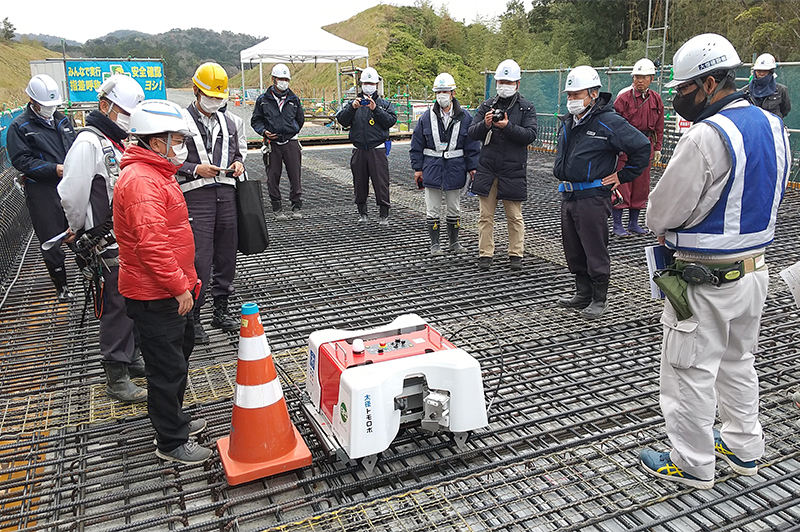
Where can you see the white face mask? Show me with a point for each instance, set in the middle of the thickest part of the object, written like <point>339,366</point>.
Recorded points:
<point>282,85</point>
<point>506,91</point>
<point>444,100</point>
<point>211,105</point>
<point>369,88</point>
<point>124,122</point>
<point>575,107</point>
<point>181,152</point>
<point>47,112</point>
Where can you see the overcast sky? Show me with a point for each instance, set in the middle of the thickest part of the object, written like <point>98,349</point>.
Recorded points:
<point>81,20</point>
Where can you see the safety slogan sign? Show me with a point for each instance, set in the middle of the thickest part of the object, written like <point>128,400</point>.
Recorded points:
<point>85,76</point>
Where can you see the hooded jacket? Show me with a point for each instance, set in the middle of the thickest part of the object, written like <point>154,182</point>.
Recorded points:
<point>286,122</point>
<point>588,150</point>
<point>440,172</point>
<point>505,157</point>
<point>36,148</point>
<point>151,222</point>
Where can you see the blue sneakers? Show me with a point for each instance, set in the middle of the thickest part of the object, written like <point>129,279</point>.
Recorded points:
<point>660,466</point>
<point>740,466</point>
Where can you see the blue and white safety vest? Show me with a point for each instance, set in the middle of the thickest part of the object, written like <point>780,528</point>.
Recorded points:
<point>744,217</point>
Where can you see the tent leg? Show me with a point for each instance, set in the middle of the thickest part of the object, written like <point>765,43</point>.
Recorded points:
<point>338,89</point>
<point>260,77</point>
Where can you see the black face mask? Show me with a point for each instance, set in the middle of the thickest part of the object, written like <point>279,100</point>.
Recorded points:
<point>686,107</point>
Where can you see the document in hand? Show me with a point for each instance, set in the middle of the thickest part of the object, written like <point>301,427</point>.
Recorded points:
<point>658,258</point>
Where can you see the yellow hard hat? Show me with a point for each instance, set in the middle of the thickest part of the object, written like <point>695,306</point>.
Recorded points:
<point>212,80</point>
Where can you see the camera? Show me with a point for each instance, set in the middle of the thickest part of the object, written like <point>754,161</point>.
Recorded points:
<point>364,101</point>
<point>498,115</point>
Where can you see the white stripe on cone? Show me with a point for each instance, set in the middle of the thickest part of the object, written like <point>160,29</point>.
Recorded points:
<point>256,348</point>
<point>258,396</point>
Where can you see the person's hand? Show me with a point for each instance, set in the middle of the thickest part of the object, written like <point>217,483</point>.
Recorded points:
<point>185,303</point>
<point>71,236</point>
<point>656,156</point>
<point>418,178</point>
<point>270,135</point>
<point>487,118</point>
<point>207,170</point>
<point>472,174</point>
<point>372,104</point>
<point>238,168</point>
<point>60,170</point>
<point>356,103</point>
<point>502,123</point>
<point>612,179</point>
<point>661,240</point>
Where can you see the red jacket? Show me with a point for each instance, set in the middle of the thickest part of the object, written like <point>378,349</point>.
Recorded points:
<point>151,223</point>
<point>645,113</point>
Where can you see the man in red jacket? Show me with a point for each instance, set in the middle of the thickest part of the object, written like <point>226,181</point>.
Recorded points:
<point>644,110</point>
<point>157,274</point>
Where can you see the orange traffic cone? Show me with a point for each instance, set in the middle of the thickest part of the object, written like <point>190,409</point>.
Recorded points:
<point>263,441</point>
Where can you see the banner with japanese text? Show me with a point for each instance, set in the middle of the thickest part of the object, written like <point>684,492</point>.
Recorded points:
<point>85,76</point>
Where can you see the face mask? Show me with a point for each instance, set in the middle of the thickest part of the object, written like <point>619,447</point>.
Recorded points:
<point>123,122</point>
<point>506,91</point>
<point>282,85</point>
<point>686,107</point>
<point>443,100</point>
<point>369,89</point>
<point>575,107</point>
<point>181,152</point>
<point>210,105</point>
<point>47,112</point>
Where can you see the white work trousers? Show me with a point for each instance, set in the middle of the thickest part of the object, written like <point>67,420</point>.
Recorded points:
<point>707,360</point>
<point>433,202</point>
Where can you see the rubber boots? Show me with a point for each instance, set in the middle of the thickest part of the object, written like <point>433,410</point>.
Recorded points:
<point>119,385</point>
<point>599,303</point>
<point>220,318</point>
<point>633,222</point>
<point>200,335</point>
<point>136,367</point>
<point>433,231</point>
<point>583,294</point>
<point>362,212</point>
<point>453,226</point>
<point>384,219</point>
<point>616,214</point>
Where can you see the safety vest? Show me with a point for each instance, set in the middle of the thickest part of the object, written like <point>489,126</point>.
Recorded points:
<point>443,149</point>
<point>189,183</point>
<point>744,217</point>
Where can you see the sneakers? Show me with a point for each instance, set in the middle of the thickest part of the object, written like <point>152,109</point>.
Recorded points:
<point>296,215</point>
<point>796,398</point>
<point>280,216</point>
<point>64,295</point>
<point>383,220</point>
<point>189,453</point>
<point>515,262</point>
<point>740,466</point>
<point>196,426</point>
<point>659,465</point>
<point>484,263</point>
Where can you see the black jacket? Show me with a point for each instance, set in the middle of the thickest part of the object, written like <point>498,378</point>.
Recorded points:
<point>368,129</point>
<point>589,150</point>
<point>505,157</point>
<point>286,122</point>
<point>777,103</point>
<point>36,148</point>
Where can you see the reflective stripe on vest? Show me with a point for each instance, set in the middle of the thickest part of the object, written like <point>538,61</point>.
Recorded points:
<point>442,148</point>
<point>258,396</point>
<point>744,217</point>
<point>188,184</point>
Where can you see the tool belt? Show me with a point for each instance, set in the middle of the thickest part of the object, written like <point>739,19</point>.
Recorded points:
<point>674,280</point>
<point>569,186</point>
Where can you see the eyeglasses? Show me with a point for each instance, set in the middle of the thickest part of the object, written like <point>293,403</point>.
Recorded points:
<point>683,90</point>
<point>176,142</point>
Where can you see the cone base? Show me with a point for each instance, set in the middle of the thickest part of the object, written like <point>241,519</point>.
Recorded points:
<point>241,472</point>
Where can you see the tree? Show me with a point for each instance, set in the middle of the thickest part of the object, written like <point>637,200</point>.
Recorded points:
<point>7,32</point>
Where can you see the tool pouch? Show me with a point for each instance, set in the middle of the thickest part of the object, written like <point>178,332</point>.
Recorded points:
<point>671,282</point>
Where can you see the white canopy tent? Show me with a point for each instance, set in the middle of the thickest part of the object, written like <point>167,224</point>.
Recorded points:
<point>302,46</point>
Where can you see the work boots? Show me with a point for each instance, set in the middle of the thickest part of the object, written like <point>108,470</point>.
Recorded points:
<point>296,206</point>
<point>453,226</point>
<point>616,214</point>
<point>136,367</point>
<point>59,277</point>
<point>200,335</point>
<point>599,303</point>
<point>220,318</point>
<point>633,222</point>
<point>583,294</point>
<point>362,212</point>
<point>384,219</point>
<point>277,210</point>
<point>433,231</point>
<point>119,385</point>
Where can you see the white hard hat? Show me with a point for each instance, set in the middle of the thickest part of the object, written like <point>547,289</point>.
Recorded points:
<point>644,67</point>
<point>44,90</point>
<point>369,75</point>
<point>582,77</point>
<point>764,62</point>
<point>702,55</point>
<point>158,116</point>
<point>281,71</point>
<point>444,82</point>
<point>123,91</point>
<point>508,70</point>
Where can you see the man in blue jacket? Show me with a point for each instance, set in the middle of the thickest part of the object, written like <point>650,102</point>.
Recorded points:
<point>278,117</point>
<point>38,141</point>
<point>441,155</point>
<point>369,118</point>
<point>591,137</point>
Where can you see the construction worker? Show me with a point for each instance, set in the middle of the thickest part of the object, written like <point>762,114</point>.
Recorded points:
<point>208,180</point>
<point>157,274</point>
<point>505,124</point>
<point>91,169</point>
<point>717,210</point>
<point>589,139</point>
<point>442,154</point>
<point>278,116</point>
<point>644,110</point>
<point>369,117</point>
<point>763,89</point>
<point>37,142</point>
